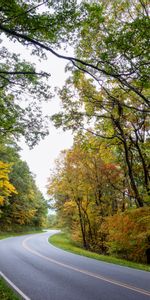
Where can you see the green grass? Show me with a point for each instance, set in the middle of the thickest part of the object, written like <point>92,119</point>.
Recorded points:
<point>6,292</point>
<point>4,235</point>
<point>62,240</point>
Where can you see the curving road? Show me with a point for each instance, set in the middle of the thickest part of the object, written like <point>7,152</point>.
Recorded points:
<point>44,272</point>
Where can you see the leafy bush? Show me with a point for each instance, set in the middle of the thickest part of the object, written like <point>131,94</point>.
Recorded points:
<point>129,234</point>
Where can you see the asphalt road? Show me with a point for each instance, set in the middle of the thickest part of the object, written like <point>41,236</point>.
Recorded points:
<point>44,272</point>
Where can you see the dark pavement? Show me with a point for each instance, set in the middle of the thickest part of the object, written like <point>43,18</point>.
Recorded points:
<point>44,272</point>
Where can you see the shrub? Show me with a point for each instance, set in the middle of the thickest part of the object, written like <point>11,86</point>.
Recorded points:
<point>129,235</point>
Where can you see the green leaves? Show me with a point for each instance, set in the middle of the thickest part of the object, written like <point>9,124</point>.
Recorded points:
<point>109,93</point>
<point>21,202</point>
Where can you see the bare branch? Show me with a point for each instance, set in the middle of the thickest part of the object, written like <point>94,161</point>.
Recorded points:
<point>24,73</point>
<point>98,134</point>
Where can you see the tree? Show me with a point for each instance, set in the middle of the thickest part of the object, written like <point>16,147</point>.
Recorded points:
<point>115,56</point>
<point>113,49</point>
<point>91,201</point>
<point>118,125</point>
<point>111,42</point>
<point>6,188</point>
<point>22,90</point>
<point>24,203</point>
<point>86,187</point>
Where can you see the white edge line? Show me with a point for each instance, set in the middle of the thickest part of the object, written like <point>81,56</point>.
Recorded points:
<point>14,287</point>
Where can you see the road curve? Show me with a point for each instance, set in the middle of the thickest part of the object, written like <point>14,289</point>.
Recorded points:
<point>44,272</point>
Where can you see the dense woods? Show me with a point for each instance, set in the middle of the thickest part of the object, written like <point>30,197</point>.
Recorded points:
<point>22,205</point>
<point>92,197</point>
<point>100,187</point>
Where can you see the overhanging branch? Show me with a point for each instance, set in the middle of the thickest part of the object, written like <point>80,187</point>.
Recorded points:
<point>74,61</point>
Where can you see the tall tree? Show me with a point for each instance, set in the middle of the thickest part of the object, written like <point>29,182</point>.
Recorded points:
<point>86,186</point>
<point>111,41</point>
<point>113,49</point>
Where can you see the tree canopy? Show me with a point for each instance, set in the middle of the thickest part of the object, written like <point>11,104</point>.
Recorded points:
<point>111,42</point>
<point>91,196</point>
<point>106,94</point>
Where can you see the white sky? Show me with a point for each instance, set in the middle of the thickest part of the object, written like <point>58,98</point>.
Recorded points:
<point>41,159</point>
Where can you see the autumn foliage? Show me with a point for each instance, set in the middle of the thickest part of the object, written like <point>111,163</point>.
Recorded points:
<point>93,201</point>
<point>129,234</point>
<point>100,188</point>
<point>6,188</point>
<point>21,203</point>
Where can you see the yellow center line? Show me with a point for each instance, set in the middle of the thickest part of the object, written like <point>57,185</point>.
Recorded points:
<point>94,275</point>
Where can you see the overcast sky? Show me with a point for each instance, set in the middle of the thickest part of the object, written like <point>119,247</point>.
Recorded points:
<point>41,159</point>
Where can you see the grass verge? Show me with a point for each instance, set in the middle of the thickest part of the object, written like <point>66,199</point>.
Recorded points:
<point>62,240</point>
<point>4,235</point>
<point>6,292</point>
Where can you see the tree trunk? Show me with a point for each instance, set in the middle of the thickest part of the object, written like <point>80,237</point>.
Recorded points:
<point>139,201</point>
<point>81,224</point>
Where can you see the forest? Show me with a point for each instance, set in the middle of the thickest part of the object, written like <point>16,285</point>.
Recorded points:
<point>99,187</point>
<point>22,205</point>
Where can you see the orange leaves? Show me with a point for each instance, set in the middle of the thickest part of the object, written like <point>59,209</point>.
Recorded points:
<point>129,234</point>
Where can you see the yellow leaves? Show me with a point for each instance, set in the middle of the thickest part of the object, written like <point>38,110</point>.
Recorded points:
<point>22,215</point>
<point>6,188</point>
<point>31,195</point>
<point>1,200</point>
<point>69,206</point>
